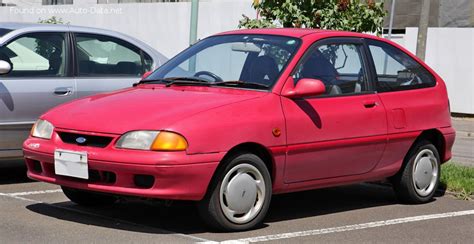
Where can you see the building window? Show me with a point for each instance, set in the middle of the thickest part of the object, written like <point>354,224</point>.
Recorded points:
<point>57,2</point>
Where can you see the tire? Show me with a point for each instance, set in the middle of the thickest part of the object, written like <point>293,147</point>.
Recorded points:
<point>418,180</point>
<point>240,174</point>
<point>87,198</point>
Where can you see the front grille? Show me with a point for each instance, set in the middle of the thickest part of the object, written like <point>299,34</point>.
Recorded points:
<point>89,140</point>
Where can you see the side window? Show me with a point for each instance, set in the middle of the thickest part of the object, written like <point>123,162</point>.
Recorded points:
<point>396,70</point>
<point>339,66</point>
<point>36,55</point>
<point>98,55</point>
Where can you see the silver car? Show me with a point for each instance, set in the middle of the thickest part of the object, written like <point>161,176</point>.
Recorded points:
<point>42,66</point>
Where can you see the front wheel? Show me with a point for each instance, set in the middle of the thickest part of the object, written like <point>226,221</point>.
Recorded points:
<point>87,198</point>
<point>418,180</point>
<point>239,197</point>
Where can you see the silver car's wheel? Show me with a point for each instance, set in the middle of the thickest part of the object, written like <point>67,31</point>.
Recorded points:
<point>242,193</point>
<point>425,172</point>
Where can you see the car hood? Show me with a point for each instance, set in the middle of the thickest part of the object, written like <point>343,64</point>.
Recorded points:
<point>145,107</point>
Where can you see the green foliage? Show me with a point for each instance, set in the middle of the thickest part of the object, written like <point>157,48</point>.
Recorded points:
<point>51,20</point>
<point>459,179</point>
<point>347,15</point>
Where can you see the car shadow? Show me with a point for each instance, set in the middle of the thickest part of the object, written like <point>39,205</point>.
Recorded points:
<point>182,217</point>
<point>311,112</point>
<point>13,174</point>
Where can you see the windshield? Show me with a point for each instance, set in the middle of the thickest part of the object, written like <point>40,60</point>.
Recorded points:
<point>252,59</point>
<point>4,31</point>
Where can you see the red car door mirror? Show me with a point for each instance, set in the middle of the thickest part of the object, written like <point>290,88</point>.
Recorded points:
<point>146,74</point>
<point>306,87</point>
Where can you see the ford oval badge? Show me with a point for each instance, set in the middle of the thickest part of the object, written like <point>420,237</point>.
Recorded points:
<point>81,140</point>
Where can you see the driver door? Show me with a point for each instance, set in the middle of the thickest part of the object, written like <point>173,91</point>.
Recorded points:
<point>342,132</point>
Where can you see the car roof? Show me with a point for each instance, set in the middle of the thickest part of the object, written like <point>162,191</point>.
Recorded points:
<point>293,32</point>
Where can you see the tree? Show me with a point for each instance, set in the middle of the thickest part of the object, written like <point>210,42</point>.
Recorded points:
<point>348,15</point>
<point>52,20</point>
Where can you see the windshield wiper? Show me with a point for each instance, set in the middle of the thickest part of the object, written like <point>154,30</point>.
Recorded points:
<point>187,81</point>
<point>176,80</point>
<point>239,83</point>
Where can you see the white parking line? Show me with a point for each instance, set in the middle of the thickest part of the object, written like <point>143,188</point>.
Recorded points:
<point>26,193</point>
<point>17,195</point>
<point>349,227</point>
<point>19,198</point>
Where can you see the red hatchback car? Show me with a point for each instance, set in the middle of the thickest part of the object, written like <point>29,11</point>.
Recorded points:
<point>242,115</point>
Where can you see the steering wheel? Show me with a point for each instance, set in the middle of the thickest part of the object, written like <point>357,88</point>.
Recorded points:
<point>209,74</point>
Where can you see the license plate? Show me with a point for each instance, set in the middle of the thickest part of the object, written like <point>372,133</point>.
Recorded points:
<point>70,163</point>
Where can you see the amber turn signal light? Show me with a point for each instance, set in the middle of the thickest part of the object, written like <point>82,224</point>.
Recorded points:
<point>169,141</point>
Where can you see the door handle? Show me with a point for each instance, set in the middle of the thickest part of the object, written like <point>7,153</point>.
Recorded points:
<point>63,91</point>
<point>370,104</point>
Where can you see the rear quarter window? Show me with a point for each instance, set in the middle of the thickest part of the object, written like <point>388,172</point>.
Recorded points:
<point>396,70</point>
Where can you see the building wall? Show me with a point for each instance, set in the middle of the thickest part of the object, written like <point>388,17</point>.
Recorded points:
<point>407,13</point>
<point>164,26</point>
<point>450,52</point>
<point>443,13</point>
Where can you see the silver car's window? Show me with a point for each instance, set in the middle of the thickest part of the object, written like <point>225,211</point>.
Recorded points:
<point>4,31</point>
<point>36,55</point>
<point>99,55</point>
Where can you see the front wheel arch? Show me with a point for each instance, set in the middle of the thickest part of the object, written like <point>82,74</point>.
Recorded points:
<point>253,148</point>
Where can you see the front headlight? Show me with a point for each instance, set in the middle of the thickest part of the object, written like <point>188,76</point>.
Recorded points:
<point>153,140</point>
<point>42,129</point>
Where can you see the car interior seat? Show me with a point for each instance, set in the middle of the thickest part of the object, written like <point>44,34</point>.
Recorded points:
<point>127,68</point>
<point>55,62</point>
<point>264,70</point>
<point>86,67</point>
<point>318,67</point>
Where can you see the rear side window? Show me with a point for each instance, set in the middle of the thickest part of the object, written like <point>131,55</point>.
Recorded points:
<point>396,70</point>
<point>99,55</point>
<point>36,55</point>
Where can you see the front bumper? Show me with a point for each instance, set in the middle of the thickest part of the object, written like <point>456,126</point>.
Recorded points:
<point>177,175</point>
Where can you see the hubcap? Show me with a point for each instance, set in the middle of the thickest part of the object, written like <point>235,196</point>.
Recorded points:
<point>425,172</point>
<point>242,193</point>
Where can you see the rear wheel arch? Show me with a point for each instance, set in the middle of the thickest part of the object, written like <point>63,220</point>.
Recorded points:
<point>435,137</point>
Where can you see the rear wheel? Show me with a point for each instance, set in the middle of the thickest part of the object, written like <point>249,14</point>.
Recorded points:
<point>239,196</point>
<point>87,198</point>
<point>418,180</point>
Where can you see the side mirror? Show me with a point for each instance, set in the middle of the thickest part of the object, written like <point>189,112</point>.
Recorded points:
<point>5,67</point>
<point>306,87</point>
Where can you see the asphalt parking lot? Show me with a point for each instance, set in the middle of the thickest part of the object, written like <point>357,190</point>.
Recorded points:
<point>40,213</point>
